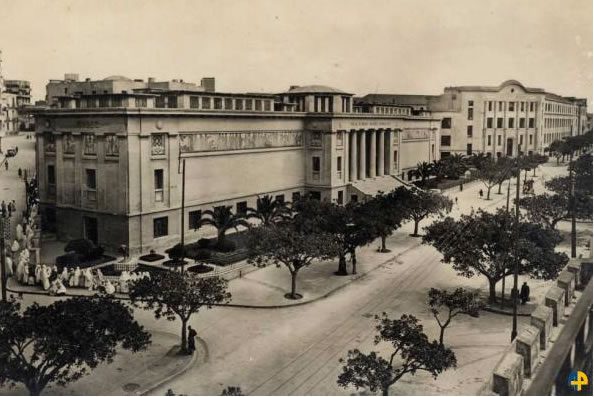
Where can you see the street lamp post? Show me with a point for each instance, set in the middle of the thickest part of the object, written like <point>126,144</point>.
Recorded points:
<point>514,332</point>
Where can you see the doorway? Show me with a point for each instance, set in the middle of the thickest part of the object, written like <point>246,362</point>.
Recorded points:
<point>509,150</point>
<point>90,229</point>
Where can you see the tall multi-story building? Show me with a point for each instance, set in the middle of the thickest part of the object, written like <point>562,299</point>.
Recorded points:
<point>498,120</point>
<point>15,95</point>
<point>109,162</point>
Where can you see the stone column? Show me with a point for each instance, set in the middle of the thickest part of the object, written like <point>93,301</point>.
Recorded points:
<point>352,137</point>
<point>380,151</point>
<point>362,153</point>
<point>372,154</point>
<point>390,150</point>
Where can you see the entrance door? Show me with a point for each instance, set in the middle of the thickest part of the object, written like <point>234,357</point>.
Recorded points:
<point>510,147</point>
<point>90,231</point>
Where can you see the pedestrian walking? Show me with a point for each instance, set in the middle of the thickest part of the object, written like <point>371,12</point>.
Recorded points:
<point>20,173</point>
<point>456,200</point>
<point>481,193</point>
<point>6,164</point>
<point>525,293</point>
<point>191,342</point>
<point>3,207</point>
<point>16,149</point>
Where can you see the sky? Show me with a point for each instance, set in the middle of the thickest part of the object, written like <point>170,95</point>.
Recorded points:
<point>373,46</point>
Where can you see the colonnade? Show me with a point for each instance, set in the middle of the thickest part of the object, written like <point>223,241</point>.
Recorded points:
<point>370,153</point>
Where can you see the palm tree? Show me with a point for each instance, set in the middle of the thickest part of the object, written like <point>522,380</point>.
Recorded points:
<point>424,170</point>
<point>223,219</point>
<point>269,210</point>
<point>456,165</point>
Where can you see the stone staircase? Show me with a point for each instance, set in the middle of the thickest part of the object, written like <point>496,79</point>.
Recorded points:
<point>372,186</point>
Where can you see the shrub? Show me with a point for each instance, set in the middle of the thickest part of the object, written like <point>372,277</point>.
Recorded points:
<point>204,243</point>
<point>199,269</point>
<point>225,246</point>
<point>70,259</point>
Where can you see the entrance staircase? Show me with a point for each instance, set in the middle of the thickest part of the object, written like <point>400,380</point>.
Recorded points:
<point>370,187</point>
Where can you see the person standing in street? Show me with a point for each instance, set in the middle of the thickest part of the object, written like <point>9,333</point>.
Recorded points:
<point>191,342</point>
<point>6,165</point>
<point>525,293</point>
<point>481,193</point>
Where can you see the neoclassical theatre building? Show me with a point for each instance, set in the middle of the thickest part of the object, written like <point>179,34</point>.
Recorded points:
<point>109,154</point>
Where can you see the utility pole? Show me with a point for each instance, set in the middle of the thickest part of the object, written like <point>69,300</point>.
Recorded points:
<point>514,332</point>
<point>572,206</point>
<point>183,214</point>
<point>2,259</point>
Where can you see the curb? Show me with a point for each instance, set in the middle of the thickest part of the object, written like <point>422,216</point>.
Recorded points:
<point>240,306</point>
<point>497,311</point>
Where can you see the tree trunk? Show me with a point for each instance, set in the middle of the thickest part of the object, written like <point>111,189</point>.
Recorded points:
<point>386,391</point>
<point>492,294</point>
<point>502,290</point>
<point>354,261</point>
<point>221,238</point>
<point>383,238</point>
<point>525,175</point>
<point>441,332</point>
<point>184,337</point>
<point>416,231</point>
<point>294,285</point>
<point>534,173</point>
<point>342,266</point>
<point>499,191</point>
<point>34,389</point>
<point>489,192</point>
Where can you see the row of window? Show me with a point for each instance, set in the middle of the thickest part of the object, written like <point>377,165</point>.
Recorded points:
<point>391,110</point>
<point>511,122</point>
<point>559,108</point>
<point>161,224</point>
<point>499,140</point>
<point>230,103</point>
<point>511,106</point>
<point>553,122</point>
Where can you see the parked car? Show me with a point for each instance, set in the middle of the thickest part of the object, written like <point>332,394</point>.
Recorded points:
<point>11,152</point>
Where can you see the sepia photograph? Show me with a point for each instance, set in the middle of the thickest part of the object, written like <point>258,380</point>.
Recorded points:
<point>296,197</point>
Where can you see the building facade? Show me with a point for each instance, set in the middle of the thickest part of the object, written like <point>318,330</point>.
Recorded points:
<point>499,120</point>
<point>109,164</point>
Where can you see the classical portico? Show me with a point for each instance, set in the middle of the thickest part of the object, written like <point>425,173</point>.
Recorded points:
<point>370,153</point>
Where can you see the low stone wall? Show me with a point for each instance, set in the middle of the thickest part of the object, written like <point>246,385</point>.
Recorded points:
<point>521,360</point>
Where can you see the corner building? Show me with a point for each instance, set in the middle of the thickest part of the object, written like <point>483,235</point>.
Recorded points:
<point>109,164</point>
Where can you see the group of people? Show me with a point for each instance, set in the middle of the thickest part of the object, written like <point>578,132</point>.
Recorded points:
<point>8,209</point>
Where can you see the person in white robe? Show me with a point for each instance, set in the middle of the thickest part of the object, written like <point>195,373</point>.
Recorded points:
<point>75,277</point>
<point>37,274</point>
<point>19,232</point>
<point>8,266</point>
<point>124,280</point>
<point>64,276</point>
<point>45,277</point>
<point>88,279</point>
<point>61,288</point>
<point>109,288</point>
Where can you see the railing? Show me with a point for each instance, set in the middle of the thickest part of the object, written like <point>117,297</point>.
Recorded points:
<point>572,347</point>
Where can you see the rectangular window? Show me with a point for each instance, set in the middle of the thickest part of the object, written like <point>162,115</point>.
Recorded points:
<point>258,104</point>
<point>241,208</point>
<point>511,106</point>
<point>103,102</point>
<point>239,104</point>
<point>51,175</point>
<point>510,123</point>
<point>228,103</point>
<point>267,106</point>
<point>488,140</point>
<point>280,198</point>
<point>339,138</point>
<point>532,106</point>
<point>205,103</point>
<point>172,102</point>
<point>91,179</point>
<point>340,198</point>
<point>469,131</point>
<point>194,219</point>
<point>489,122</point>
<point>522,122</point>
<point>521,106</point>
<point>339,166</point>
<point>470,113</point>
<point>499,122</point>
<point>248,104</point>
<point>446,123</point>
<point>218,103</point>
<point>446,140</point>
<point>296,196</point>
<point>530,139</point>
<point>315,195</point>
<point>395,166</point>
<point>158,185</point>
<point>160,227</point>
<point>315,165</point>
<point>499,140</point>
<point>470,104</point>
<point>500,105</point>
<point>140,102</point>
<point>521,139</point>
<point>490,105</point>
<point>469,149</point>
<point>195,102</point>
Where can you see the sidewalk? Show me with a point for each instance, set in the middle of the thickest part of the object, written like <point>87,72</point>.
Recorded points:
<point>132,373</point>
